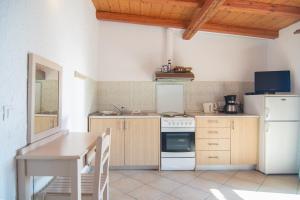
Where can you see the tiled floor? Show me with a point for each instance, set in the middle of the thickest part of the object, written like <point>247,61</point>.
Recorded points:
<point>200,185</point>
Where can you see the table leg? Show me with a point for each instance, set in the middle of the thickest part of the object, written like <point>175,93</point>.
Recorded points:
<point>23,181</point>
<point>76,181</point>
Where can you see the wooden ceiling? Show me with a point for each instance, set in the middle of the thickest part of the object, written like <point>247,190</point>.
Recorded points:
<point>258,18</point>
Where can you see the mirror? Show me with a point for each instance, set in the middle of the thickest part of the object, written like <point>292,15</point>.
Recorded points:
<point>44,98</point>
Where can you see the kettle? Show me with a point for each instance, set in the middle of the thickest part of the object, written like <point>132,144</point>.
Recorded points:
<point>210,108</point>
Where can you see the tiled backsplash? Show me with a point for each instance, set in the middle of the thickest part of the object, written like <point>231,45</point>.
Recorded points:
<point>131,95</point>
<point>198,92</point>
<point>139,95</point>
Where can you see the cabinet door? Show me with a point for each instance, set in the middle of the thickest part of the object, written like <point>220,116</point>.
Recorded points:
<point>142,142</point>
<point>244,141</point>
<point>117,137</point>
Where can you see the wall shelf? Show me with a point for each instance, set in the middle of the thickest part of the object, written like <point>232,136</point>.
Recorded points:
<point>172,76</point>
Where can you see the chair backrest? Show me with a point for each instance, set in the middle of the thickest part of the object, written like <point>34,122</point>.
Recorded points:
<point>102,163</point>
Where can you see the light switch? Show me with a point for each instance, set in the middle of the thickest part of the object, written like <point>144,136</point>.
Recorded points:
<point>5,112</point>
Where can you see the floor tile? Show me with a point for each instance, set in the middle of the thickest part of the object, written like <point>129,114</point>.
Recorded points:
<point>180,176</point>
<point>218,176</point>
<point>117,195</point>
<point>189,193</point>
<point>224,193</point>
<point>208,185</point>
<point>126,184</point>
<point>252,176</point>
<point>146,193</point>
<point>238,183</point>
<point>165,185</point>
<point>204,185</point>
<point>280,184</point>
<point>134,172</point>
<point>168,197</point>
<point>145,177</point>
<point>115,175</point>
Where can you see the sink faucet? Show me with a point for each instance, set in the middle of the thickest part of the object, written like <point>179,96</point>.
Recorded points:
<point>120,110</point>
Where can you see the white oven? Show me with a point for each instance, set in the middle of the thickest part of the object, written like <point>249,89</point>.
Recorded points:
<point>177,143</point>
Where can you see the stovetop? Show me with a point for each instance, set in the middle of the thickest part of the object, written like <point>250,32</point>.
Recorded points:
<point>174,114</point>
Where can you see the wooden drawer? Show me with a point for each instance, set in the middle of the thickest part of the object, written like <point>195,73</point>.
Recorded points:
<point>213,122</point>
<point>213,157</point>
<point>213,144</point>
<point>213,133</point>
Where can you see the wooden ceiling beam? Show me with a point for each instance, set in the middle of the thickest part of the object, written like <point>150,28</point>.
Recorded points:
<point>236,30</point>
<point>170,23</point>
<point>137,19</point>
<point>185,3</point>
<point>201,16</point>
<point>261,8</point>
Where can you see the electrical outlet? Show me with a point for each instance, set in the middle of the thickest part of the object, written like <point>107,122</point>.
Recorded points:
<point>5,112</point>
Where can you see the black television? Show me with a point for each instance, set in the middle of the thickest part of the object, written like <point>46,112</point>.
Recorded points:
<point>271,82</point>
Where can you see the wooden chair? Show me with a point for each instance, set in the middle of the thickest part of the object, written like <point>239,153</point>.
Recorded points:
<point>94,186</point>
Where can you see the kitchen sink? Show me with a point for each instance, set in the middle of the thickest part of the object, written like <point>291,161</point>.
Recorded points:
<point>106,113</point>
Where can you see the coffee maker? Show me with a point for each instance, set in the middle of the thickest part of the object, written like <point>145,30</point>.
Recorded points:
<point>231,106</point>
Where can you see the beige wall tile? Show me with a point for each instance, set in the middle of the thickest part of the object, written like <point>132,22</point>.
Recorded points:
<point>141,95</point>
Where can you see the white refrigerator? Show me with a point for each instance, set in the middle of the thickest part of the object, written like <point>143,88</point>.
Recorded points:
<point>279,131</point>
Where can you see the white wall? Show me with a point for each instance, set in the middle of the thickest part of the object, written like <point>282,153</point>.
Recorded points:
<point>284,53</point>
<point>65,32</point>
<point>133,52</point>
<point>129,52</point>
<point>220,57</point>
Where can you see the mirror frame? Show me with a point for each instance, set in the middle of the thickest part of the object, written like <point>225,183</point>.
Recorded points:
<point>33,59</point>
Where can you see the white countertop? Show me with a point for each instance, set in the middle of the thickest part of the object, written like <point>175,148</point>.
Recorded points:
<point>132,116</point>
<point>157,115</point>
<point>200,114</point>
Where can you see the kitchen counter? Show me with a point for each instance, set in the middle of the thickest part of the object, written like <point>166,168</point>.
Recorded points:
<point>199,114</point>
<point>154,115</point>
<point>133,115</point>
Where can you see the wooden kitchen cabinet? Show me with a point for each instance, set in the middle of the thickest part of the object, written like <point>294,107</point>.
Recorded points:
<point>226,140</point>
<point>117,137</point>
<point>134,141</point>
<point>142,142</point>
<point>244,141</point>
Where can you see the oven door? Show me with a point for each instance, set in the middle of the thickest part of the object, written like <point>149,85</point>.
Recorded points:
<point>180,142</point>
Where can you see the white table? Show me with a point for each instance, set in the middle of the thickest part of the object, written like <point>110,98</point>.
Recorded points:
<point>63,154</point>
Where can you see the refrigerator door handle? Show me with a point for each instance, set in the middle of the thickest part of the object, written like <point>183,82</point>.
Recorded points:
<point>267,126</point>
<point>267,112</point>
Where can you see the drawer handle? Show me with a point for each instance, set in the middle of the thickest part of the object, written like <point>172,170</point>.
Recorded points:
<point>212,121</point>
<point>213,132</point>
<point>213,157</point>
<point>213,144</point>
